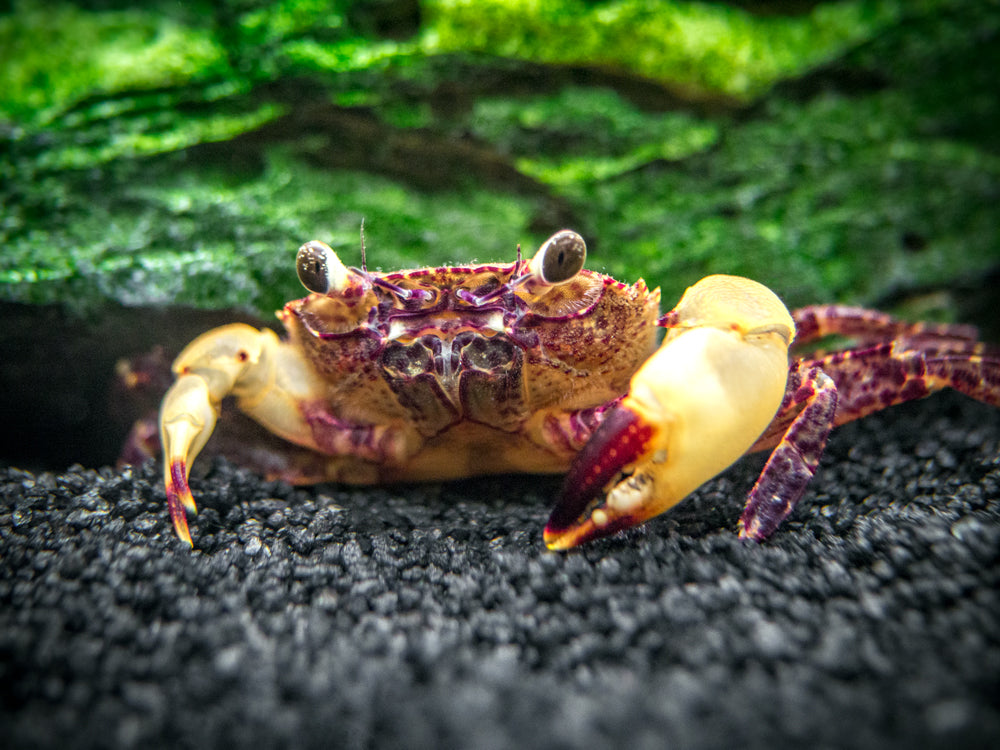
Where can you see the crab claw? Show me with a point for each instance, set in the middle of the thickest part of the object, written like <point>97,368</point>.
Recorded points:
<point>179,499</point>
<point>268,378</point>
<point>692,409</point>
<point>186,420</point>
<point>620,441</point>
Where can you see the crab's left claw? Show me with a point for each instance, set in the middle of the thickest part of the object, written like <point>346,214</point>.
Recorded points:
<point>692,409</point>
<point>186,422</point>
<point>267,378</point>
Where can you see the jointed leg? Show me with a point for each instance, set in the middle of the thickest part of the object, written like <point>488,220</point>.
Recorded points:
<point>844,386</point>
<point>875,377</point>
<point>872,379</point>
<point>868,326</point>
<point>273,385</point>
<point>811,397</point>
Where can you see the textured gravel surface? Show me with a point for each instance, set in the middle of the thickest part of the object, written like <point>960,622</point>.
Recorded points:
<point>432,616</point>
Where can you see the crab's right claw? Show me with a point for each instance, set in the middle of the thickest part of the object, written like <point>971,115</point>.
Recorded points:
<point>187,418</point>
<point>692,409</point>
<point>207,371</point>
<point>583,512</point>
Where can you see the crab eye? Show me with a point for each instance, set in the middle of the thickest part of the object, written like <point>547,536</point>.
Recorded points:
<point>319,268</point>
<point>560,257</point>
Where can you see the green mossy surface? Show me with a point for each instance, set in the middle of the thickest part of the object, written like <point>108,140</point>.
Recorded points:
<point>178,155</point>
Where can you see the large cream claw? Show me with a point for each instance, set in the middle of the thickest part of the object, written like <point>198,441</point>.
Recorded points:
<point>268,379</point>
<point>187,419</point>
<point>692,409</point>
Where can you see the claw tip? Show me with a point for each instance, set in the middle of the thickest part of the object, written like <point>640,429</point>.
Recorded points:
<point>598,525</point>
<point>178,517</point>
<point>179,499</point>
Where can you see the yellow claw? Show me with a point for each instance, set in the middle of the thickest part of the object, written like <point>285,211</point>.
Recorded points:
<point>692,409</point>
<point>268,379</point>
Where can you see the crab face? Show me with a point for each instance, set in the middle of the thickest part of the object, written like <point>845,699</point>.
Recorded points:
<point>469,369</point>
<point>476,368</point>
<point>544,366</point>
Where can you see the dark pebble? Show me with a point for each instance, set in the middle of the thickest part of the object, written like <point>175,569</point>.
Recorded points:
<point>432,616</point>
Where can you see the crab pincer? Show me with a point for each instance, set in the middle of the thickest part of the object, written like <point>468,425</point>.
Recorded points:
<point>692,409</point>
<point>206,372</point>
<point>267,379</point>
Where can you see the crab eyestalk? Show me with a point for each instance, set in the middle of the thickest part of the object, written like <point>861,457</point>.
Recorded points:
<point>558,260</point>
<point>322,272</point>
<point>692,409</point>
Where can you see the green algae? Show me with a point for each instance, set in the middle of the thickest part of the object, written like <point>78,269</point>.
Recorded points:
<point>703,49</point>
<point>202,238</point>
<point>168,131</point>
<point>582,135</point>
<point>811,204</point>
<point>847,153</point>
<point>57,55</point>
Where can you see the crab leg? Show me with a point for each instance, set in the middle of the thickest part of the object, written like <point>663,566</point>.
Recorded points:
<point>812,396</point>
<point>848,385</point>
<point>692,409</point>
<point>889,373</point>
<point>818,321</point>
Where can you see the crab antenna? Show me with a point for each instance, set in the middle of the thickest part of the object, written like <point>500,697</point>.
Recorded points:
<point>364,265</point>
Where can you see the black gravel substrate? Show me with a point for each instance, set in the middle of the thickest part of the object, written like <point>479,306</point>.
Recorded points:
<point>432,617</point>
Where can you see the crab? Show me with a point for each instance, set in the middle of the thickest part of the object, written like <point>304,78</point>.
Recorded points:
<point>544,366</point>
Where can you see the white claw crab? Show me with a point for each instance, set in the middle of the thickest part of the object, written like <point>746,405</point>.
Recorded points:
<point>541,365</point>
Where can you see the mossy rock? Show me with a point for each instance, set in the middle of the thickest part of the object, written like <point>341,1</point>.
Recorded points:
<point>167,157</point>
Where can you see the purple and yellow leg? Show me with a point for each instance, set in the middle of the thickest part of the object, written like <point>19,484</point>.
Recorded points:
<point>928,358</point>
<point>819,321</point>
<point>881,376</point>
<point>844,386</point>
<point>812,397</point>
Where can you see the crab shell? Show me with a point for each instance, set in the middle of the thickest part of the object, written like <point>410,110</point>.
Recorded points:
<point>415,375</point>
<point>468,371</point>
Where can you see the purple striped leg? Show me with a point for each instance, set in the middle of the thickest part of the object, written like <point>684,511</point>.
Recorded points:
<point>894,362</point>
<point>812,396</point>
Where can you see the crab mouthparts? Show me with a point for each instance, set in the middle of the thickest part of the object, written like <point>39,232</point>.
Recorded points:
<point>581,512</point>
